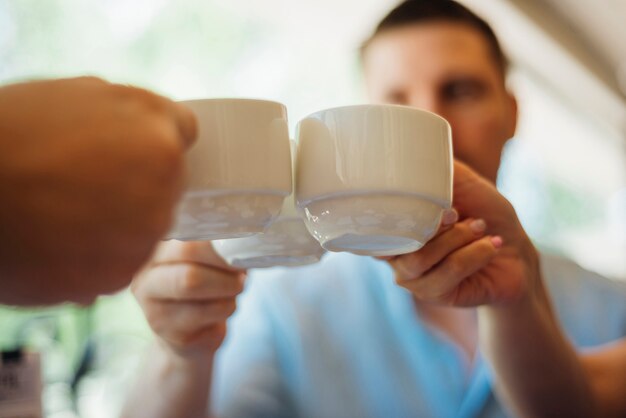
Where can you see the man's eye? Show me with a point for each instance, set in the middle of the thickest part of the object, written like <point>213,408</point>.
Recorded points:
<point>464,89</point>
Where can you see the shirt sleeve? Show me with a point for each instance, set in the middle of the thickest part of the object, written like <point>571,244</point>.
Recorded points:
<point>591,308</point>
<point>248,380</point>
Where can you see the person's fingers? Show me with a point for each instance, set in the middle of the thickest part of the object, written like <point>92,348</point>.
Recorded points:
<point>413,265</point>
<point>210,336</point>
<point>183,118</point>
<point>175,319</point>
<point>439,284</point>
<point>464,175</point>
<point>186,282</point>
<point>448,219</point>
<point>186,123</point>
<point>200,252</point>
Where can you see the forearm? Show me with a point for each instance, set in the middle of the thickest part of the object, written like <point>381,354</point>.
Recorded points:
<point>171,386</point>
<point>537,372</point>
<point>606,367</point>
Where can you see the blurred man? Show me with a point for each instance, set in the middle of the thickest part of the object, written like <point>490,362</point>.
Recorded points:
<point>341,339</point>
<point>89,175</point>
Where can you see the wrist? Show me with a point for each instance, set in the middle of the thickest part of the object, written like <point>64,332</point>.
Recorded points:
<point>534,289</point>
<point>532,296</point>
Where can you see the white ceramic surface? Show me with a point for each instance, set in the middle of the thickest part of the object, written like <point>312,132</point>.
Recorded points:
<point>286,242</point>
<point>239,169</point>
<point>373,179</point>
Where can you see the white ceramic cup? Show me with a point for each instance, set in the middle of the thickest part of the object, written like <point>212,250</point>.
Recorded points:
<point>239,169</point>
<point>286,242</point>
<point>373,179</point>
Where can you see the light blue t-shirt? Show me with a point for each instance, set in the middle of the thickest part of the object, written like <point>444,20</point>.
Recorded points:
<point>341,339</point>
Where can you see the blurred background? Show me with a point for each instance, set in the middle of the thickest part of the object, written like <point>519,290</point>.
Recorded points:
<point>565,171</point>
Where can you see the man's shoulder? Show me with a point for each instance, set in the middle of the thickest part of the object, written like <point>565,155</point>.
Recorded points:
<point>592,308</point>
<point>563,274</point>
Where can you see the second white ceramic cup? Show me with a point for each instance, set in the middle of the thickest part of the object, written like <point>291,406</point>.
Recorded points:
<point>286,242</point>
<point>373,179</point>
<point>239,169</point>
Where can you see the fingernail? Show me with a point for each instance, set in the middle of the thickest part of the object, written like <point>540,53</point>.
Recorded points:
<point>497,241</point>
<point>449,217</point>
<point>478,226</point>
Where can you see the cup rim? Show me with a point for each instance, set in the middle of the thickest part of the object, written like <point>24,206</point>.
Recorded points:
<point>232,100</point>
<point>377,105</point>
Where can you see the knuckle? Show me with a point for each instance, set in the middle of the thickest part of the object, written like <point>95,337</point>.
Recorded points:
<point>225,308</point>
<point>190,280</point>
<point>464,231</point>
<point>400,280</point>
<point>420,264</point>
<point>411,287</point>
<point>156,317</point>
<point>165,150</point>
<point>407,267</point>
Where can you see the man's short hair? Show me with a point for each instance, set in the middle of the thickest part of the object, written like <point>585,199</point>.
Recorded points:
<point>411,12</point>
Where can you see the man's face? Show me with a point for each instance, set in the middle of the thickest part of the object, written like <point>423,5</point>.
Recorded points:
<point>446,68</point>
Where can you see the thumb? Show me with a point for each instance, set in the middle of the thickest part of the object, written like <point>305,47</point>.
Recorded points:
<point>186,123</point>
<point>476,197</point>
